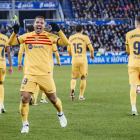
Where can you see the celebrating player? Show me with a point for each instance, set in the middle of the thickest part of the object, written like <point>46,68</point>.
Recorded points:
<point>77,49</point>
<point>133,48</point>
<point>4,46</point>
<point>38,67</point>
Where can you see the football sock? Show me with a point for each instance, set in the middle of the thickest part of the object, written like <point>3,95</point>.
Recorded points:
<point>58,105</point>
<point>43,96</point>
<point>24,109</point>
<point>133,96</point>
<point>25,123</point>
<point>82,87</point>
<point>1,94</point>
<point>73,83</point>
<point>36,93</point>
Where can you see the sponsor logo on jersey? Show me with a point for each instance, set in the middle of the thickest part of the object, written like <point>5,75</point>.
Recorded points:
<point>30,46</point>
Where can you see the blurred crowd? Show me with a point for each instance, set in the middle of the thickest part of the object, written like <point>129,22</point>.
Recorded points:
<point>95,9</point>
<point>110,37</point>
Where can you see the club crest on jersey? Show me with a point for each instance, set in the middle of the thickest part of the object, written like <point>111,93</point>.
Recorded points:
<point>30,46</point>
<point>36,38</point>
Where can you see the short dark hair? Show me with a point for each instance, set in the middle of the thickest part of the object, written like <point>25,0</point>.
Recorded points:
<point>78,28</point>
<point>30,28</point>
<point>39,17</point>
<point>137,19</point>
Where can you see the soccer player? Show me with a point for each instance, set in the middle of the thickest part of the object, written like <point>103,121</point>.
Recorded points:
<point>4,47</point>
<point>30,28</point>
<point>77,49</point>
<point>55,51</point>
<point>38,67</point>
<point>133,48</point>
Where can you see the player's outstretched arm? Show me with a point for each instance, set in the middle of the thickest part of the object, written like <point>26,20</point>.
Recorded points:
<point>10,69</point>
<point>127,45</point>
<point>57,57</point>
<point>13,40</point>
<point>62,41</point>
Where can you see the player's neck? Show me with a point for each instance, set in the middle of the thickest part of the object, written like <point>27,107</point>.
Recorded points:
<point>79,32</point>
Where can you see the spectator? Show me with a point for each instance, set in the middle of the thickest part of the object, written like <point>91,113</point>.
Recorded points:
<point>8,33</point>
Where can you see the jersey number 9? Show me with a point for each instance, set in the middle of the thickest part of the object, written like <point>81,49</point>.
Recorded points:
<point>77,48</point>
<point>136,46</point>
<point>25,81</point>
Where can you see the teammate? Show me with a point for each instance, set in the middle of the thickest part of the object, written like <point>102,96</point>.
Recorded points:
<point>133,48</point>
<point>38,67</point>
<point>77,49</point>
<point>33,99</point>
<point>55,51</point>
<point>4,47</point>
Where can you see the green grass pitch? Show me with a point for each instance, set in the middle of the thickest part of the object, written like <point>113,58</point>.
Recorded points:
<point>104,115</point>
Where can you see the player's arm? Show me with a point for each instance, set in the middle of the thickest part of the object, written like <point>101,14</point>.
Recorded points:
<point>69,50</point>
<point>20,54</point>
<point>14,40</point>
<point>55,50</point>
<point>62,39</point>
<point>90,48</point>
<point>57,57</point>
<point>10,69</point>
<point>127,45</point>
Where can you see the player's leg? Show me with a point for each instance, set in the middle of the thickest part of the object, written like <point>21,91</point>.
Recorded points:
<point>75,75</point>
<point>46,84</point>
<point>83,72</point>
<point>2,77</point>
<point>27,88</point>
<point>133,81</point>
<point>35,95</point>
<point>24,110</point>
<point>58,105</point>
<point>138,86</point>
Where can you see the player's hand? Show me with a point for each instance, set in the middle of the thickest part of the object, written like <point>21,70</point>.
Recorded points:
<point>55,27</point>
<point>58,64</point>
<point>128,59</point>
<point>16,28</point>
<point>10,70</point>
<point>92,57</point>
<point>19,67</point>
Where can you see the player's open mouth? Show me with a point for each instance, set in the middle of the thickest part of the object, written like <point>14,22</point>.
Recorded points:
<point>38,29</point>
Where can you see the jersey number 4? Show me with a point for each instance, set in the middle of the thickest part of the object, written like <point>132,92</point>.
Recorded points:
<point>77,48</point>
<point>2,52</point>
<point>136,46</point>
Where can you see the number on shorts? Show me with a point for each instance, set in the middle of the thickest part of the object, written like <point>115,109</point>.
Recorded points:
<point>136,46</point>
<point>2,51</point>
<point>25,81</point>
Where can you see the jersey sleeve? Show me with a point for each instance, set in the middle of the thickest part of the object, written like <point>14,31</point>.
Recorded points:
<point>69,49</point>
<point>127,44</point>
<point>21,39</point>
<point>90,46</point>
<point>88,41</point>
<point>54,48</point>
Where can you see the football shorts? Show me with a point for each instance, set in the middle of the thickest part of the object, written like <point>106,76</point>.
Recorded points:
<point>79,69</point>
<point>2,74</point>
<point>134,73</point>
<point>45,82</point>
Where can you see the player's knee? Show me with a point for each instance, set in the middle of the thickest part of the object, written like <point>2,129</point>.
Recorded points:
<point>83,77</point>
<point>1,82</point>
<point>53,99</point>
<point>25,97</point>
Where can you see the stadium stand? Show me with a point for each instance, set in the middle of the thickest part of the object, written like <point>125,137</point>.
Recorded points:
<point>93,9</point>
